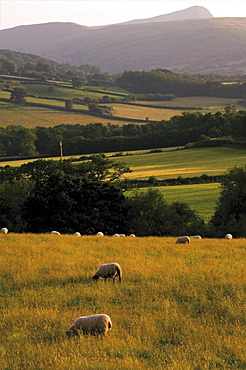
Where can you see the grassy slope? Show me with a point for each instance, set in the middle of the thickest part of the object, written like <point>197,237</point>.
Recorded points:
<point>201,198</point>
<point>178,307</point>
<point>185,163</point>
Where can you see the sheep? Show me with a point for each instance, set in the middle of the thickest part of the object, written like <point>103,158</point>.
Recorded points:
<point>4,230</point>
<point>196,237</point>
<point>55,232</point>
<point>228,236</point>
<point>99,234</point>
<point>132,235</point>
<point>122,235</point>
<point>77,233</point>
<point>116,235</point>
<point>183,240</point>
<point>99,324</point>
<point>108,270</point>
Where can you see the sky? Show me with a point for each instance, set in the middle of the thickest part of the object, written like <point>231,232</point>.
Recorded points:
<point>101,12</point>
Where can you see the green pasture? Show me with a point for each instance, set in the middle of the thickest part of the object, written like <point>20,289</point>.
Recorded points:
<point>184,163</point>
<point>179,307</point>
<point>62,92</point>
<point>201,198</point>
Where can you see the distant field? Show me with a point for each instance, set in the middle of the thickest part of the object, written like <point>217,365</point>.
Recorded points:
<point>137,112</point>
<point>185,163</point>
<point>208,104</point>
<point>201,198</point>
<point>31,117</point>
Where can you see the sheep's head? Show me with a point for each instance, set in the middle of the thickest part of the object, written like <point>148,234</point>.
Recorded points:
<point>95,277</point>
<point>72,331</point>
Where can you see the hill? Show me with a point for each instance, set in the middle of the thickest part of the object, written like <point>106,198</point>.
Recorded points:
<point>191,45</point>
<point>194,12</point>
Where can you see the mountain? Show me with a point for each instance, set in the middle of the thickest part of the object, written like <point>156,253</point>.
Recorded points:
<point>204,45</point>
<point>194,12</point>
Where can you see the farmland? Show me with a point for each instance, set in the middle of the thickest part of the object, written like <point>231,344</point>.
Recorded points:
<point>178,307</point>
<point>202,198</point>
<point>185,163</point>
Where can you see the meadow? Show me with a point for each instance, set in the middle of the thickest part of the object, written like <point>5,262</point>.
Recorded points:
<point>178,306</point>
<point>184,163</point>
<point>202,198</point>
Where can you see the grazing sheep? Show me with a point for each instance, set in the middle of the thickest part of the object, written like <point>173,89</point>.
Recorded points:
<point>108,270</point>
<point>122,234</point>
<point>55,232</point>
<point>116,235</point>
<point>183,240</point>
<point>228,236</point>
<point>196,237</point>
<point>99,233</point>
<point>99,324</point>
<point>77,233</point>
<point>4,230</point>
<point>132,235</point>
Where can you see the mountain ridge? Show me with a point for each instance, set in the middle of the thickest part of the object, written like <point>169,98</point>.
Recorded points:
<point>206,45</point>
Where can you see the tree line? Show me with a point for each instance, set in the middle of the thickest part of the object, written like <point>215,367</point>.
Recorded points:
<point>162,81</point>
<point>89,197</point>
<point>98,137</point>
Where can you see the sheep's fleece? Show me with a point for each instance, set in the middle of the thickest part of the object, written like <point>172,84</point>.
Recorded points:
<point>108,270</point>
<point>99,324</point>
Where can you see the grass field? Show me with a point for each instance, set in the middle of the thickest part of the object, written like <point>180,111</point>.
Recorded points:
<point>208,104</point>
<point>31,117</point>
<point>137,112</point>
<point>178,307</point>
<point>201,198</point>
<point>185,163</point>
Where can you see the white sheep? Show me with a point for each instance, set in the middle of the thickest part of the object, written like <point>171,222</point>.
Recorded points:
<point>116,235</point>
<point>77,233</point>
<point>99,324</point>
<point>132,235</point>
<point>4,230</point>
<point>183,240</point>
<point>122,234</point>
<point>108,270</point>
<point>55,232</point>
<point>196,237</point>
<point>99,234</point>
<point>228,236</point>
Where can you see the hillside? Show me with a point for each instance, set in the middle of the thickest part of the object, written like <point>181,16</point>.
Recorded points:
<point>193,46</point>
<point>194,12</point>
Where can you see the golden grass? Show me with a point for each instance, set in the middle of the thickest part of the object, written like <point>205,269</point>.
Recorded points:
<point>31,117</point>
<point>178,307</point>
<point>136,112</point>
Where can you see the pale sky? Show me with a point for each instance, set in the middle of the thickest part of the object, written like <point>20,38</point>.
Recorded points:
<point>95,13</point>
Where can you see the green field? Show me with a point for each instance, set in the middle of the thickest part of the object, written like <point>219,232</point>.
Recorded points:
<point>184,163</point>
<point>178,307</point>
<point>201,198</point>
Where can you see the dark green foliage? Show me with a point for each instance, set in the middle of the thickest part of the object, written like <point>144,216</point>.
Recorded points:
<point>18,96</point>
<point>151,216</point>
<point>68,105</point>
<point>97,137</point>
<point>77,82</point>
<point>230,214</point>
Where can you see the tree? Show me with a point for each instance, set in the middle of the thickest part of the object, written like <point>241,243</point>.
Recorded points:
<point>68,203</point>
<point>78,82</point>
<point>18,96</point>
<point>230,214</point>
<point>68,104</point>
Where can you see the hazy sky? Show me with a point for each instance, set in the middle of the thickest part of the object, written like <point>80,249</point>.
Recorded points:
<point>101,12</point>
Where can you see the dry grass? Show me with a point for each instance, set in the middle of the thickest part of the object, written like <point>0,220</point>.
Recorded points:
<point>178,307</point>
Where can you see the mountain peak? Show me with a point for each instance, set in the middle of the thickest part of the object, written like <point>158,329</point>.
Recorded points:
<point>194,12</point>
